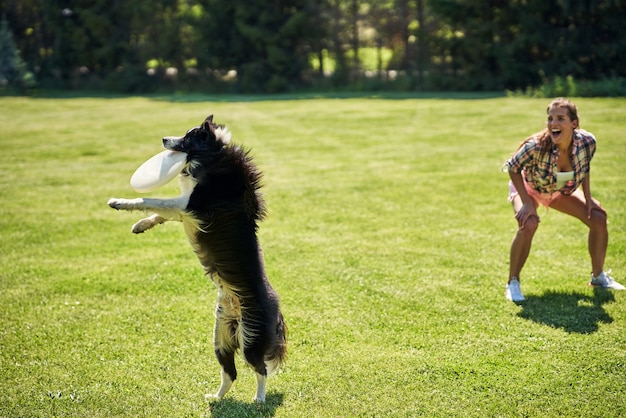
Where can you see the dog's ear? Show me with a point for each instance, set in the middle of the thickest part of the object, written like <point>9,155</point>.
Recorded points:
<point>208,124</point>
<point>218,132</point>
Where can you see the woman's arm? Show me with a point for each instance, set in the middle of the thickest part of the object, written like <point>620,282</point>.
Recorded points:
<point>589,201</point>
<point>528,208</point>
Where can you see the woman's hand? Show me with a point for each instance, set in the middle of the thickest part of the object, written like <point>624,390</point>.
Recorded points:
<point>526,211</point>
<point>593,204</point>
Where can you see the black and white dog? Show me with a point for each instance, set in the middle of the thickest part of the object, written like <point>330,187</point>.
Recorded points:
<point>219,206</point>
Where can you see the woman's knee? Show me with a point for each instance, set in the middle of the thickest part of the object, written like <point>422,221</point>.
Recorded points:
<point>531,225</point>
<point>598,219</point>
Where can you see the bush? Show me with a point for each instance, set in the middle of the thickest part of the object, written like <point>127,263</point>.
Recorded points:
<point>13,73</point>
<point>560,87</point>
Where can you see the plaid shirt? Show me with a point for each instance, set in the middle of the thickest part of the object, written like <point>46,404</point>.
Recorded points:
<point>539,170</point>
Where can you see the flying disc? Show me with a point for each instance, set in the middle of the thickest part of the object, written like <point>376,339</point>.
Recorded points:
<point>158,171</point>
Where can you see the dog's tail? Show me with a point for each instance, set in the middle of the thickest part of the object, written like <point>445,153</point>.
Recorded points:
<point>277,356</point>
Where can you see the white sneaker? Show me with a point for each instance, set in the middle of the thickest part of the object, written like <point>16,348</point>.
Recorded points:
<point>513,291</point>
<point>606,281</point>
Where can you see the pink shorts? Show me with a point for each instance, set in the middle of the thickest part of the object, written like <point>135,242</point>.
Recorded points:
<point>544,199</point>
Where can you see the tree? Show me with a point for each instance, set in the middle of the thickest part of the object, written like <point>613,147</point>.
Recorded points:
<point>267,43</point>
<point>512,44</point>
<point>13,72</point>
<point>436,44</point>
<point>422,45</point>
<point>319,18</point>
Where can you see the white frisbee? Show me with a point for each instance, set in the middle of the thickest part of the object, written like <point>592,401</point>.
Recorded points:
<point>158,171</point>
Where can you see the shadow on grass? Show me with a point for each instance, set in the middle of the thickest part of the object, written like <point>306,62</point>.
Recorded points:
<point>573,312</point>
<point>236,409</point>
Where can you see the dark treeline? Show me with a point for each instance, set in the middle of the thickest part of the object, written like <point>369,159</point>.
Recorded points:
<point>281,45</point>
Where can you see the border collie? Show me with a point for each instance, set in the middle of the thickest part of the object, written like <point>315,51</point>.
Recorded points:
<point>219,206</point>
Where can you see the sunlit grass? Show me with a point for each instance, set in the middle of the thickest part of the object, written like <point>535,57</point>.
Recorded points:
<point>387,239</point>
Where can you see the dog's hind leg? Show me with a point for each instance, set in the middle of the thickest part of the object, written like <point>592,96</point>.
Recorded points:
<point>255,356</point>
<point>260,388</point>
<point>225,340</point>
<point>148,223</point>
<point>228,373</point>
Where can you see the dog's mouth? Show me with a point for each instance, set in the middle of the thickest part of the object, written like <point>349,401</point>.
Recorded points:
<point>173,143</point>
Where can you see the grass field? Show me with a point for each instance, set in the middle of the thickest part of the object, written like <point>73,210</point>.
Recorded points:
<point>387,239</point>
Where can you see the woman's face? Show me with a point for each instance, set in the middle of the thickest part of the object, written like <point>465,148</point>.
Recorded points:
<point>561,127</point>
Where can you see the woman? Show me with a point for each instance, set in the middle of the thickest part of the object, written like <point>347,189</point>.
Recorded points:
<point>549,169</point>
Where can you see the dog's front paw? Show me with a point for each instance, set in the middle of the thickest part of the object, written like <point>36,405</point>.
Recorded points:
<point>121,204</point>
<point>142,226</point>
<point>115,203</point>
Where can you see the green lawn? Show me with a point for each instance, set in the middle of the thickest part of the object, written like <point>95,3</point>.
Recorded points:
<point>387,239</point>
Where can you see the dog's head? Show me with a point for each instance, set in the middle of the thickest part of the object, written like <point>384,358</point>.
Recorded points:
<point>208,138</point>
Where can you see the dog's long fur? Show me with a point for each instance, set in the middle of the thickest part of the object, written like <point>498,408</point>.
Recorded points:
<point>219,206</point>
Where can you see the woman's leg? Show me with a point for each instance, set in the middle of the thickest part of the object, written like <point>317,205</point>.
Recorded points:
<point>520,247</point>
<point>598,240</point>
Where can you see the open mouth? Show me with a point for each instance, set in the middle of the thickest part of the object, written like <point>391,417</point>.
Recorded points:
<point>556,133</point>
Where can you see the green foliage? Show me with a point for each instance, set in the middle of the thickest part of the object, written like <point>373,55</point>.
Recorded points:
<point>262,41</point>
<point>13,72</point>
<point>561,87</point>
<point>387,240</point>
<point>451,45</point>
<point>514,44</point>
